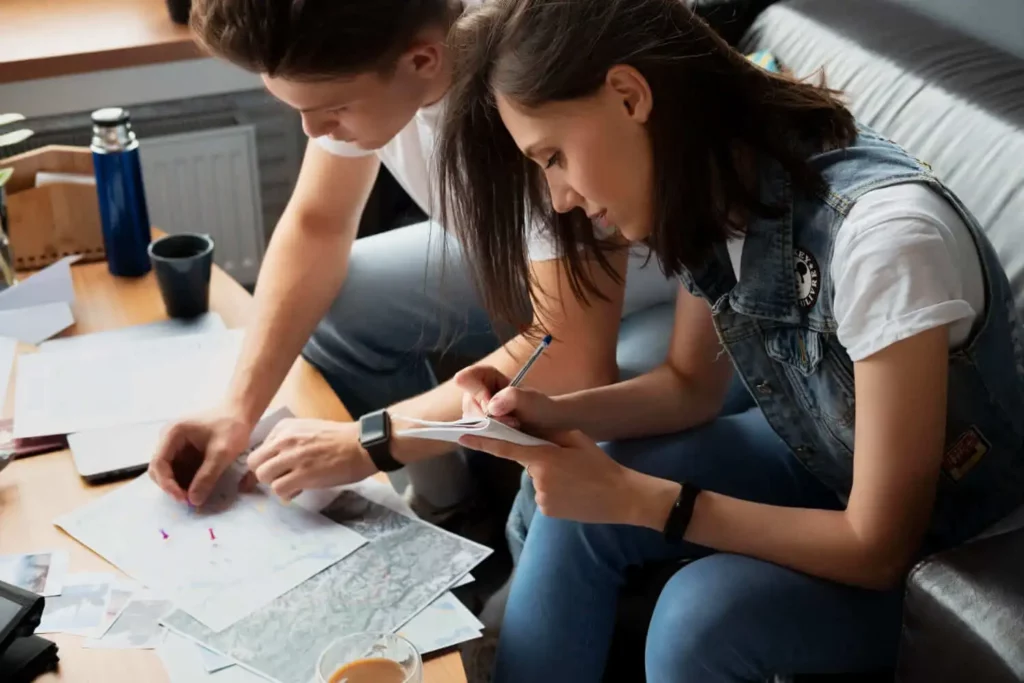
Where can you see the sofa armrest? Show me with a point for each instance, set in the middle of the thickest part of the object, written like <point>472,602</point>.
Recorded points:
<point>964,614</point>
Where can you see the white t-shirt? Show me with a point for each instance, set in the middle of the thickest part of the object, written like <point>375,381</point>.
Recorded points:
<point>409,158</point>
<point>903,262</point>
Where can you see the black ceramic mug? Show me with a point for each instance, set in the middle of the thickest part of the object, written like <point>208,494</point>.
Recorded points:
<point>182,264</point>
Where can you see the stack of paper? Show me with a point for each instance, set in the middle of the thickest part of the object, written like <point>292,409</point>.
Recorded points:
<point>252,583</point>
<point>383,586</point>
<point>451,432</point>
<point>101,386</point>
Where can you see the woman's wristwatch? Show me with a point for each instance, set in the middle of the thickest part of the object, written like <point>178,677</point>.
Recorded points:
<point>375,437</point>
<point>682,511</point>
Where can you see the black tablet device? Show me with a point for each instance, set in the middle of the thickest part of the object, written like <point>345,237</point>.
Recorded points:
<point>20,612</point>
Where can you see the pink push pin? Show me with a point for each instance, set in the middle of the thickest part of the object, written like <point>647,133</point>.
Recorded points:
<point>164,534</point>
<point>212,537</point>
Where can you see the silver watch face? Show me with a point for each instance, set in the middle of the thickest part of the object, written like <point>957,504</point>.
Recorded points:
<point>373,428</point>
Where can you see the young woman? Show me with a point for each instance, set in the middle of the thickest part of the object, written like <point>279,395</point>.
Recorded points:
<point>847,287</point>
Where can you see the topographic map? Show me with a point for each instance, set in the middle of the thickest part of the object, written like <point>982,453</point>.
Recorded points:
<point>405,566</point>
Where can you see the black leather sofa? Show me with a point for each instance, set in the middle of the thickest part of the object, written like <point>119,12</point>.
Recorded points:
<point>956,101</point>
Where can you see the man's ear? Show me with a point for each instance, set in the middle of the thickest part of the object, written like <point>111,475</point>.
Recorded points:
<point>630,86</point>
<point>423,59</point>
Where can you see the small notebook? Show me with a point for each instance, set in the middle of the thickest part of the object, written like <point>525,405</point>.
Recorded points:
<point>472,426</point>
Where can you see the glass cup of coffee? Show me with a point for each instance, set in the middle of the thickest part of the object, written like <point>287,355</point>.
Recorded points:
<point>370,658</point>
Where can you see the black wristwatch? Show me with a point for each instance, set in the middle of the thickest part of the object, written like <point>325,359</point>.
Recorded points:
<point>682,511</point>
<point>375,437</point>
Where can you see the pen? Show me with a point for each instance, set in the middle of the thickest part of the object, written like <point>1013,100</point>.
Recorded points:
<point>521,375</point>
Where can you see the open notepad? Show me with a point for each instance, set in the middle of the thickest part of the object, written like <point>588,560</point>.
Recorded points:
<point>472,426</point>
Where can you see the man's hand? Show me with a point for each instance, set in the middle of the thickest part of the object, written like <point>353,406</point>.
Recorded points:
<point>487,393</point>
<point>310,454</point>
<point>194,453</point>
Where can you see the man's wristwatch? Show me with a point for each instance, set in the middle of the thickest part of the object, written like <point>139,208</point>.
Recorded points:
<point>682,511</point>
<point>375,437</point>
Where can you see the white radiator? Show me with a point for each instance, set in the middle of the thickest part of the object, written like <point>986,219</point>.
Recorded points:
<point>208,182</point>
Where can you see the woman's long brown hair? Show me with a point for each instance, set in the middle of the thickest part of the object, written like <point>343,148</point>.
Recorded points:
<point>709,101</point>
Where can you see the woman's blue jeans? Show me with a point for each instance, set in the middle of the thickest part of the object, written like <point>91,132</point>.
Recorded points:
<point>722,617</point>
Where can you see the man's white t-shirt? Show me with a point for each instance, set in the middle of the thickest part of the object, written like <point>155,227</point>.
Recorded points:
<point>409,158</point>
<point>903,262</point>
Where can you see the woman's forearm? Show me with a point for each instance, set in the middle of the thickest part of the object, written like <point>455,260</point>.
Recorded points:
<point>822,543</point>
<point>658,402</point>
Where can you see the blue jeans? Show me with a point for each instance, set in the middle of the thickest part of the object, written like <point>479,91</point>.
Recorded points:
<point>408,296</point>
<point>524,507</point>
<point>721,617</point>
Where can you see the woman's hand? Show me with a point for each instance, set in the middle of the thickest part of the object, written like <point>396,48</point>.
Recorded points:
<point>576,480</point>
<point>487,393</point>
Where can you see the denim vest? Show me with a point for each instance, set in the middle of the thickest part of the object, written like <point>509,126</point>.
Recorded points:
<point>778,326</point>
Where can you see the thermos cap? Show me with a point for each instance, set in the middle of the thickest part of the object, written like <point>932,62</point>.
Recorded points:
<point>110,116</point>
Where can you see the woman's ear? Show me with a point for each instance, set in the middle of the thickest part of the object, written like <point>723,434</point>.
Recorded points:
<point>632,90</point>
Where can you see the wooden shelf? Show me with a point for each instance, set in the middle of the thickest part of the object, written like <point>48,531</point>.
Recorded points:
<point>45,38</point>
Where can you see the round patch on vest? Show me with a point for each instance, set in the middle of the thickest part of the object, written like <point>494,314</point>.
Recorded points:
<point>808,278</point>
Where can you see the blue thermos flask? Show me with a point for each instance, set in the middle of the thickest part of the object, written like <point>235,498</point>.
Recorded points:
<point>122,196</point>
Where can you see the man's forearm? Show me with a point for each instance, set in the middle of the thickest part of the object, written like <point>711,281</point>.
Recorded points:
<point>301,274</point>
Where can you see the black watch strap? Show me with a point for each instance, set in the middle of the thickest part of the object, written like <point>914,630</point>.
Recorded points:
<point>682,511</point>
<point>375,437</point>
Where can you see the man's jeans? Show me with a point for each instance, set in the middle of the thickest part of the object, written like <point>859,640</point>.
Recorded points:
<point>408,295</point>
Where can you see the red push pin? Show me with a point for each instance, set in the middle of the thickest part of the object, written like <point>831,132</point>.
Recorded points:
<point>212,537</point>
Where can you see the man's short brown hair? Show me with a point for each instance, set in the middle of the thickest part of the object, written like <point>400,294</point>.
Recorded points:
<point>314,39</point>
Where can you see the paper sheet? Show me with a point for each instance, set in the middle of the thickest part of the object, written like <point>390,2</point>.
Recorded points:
<point>8,350</point>
<point>163,329</point>
<point>258,549</point>
<point>50,285</point>
<point>212,661</point>
<point>39,307</point>
<point>162,379</point>
<point>41,573</point>
<point>446,622</point>
<point>137,627</point>
<point>121,592</point>
<point>36,323</point>
<point>81,606</point>
<point>184,663</point>
<point>218,563</point>
<point>452,431</point>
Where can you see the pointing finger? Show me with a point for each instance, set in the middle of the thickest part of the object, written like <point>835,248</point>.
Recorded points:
<point>160,472</point>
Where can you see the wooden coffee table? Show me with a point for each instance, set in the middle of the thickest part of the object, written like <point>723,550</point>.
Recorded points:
<point>35,490</point>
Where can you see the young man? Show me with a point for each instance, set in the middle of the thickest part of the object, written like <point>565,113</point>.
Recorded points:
<point>369,78</point>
